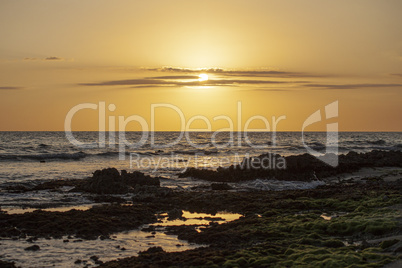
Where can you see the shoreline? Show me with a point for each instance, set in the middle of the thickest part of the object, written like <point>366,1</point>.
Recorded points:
<point>363,215</point>
<point>354,218</point>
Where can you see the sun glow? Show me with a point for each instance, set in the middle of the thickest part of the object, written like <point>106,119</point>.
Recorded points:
<point>203,77</point>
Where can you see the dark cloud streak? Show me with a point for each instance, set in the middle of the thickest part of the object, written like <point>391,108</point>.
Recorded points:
<point>255,73</point>
<point>54,58</point>
<point>256,79</point>
<point>158,82</point>
<point>176,77</point>
<point>10,88</point>
<point>350,86</point>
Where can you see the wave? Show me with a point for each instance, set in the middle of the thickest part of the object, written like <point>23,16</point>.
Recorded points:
<point>312,145</point>
<point>292,148</point>
<point>65,156</point>
<point>62,156</point>
<point>315,144</point>
<point>277,185</point>
<point>389,148</point>
<point>106,154</point>
<point>261,144</point>
<point>42,145</point>
<point>193,152</point>
<point>377,142</point>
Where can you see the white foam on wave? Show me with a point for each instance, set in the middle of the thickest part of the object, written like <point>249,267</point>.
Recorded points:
<point>277,185</point>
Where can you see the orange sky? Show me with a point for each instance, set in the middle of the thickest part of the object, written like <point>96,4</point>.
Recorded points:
<point>278,58</point>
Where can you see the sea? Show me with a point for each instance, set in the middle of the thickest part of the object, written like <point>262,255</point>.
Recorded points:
<point>30,158</point>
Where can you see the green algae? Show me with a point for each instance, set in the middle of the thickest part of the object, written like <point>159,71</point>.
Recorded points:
<point>388,243</point>
<point>311,241</point>
<point>290,231</point>
<point>310,256</point>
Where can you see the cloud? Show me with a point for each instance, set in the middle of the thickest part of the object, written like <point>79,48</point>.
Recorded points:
<point>270,89</point>
<point>350,86</point>
<point>260,80</point>
<point>182,77</point>
<point>400,75</point>
<point>10,88</point>
<point>224,72</point>
<point>182,81</point>
<point>54,58</point>
<point>142,82</point>
<point>177,77</point>
<point>184,70</point>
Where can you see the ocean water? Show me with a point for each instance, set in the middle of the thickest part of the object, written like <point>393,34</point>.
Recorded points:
<point>28,158</point>
<point>37,156</point>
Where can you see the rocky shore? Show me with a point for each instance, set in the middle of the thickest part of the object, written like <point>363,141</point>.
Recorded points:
<point>347,224</point>
<point>297,167</point>
<point>89,224</point>
<point>328,226</point>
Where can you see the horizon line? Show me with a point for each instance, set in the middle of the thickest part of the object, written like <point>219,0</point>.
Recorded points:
<point>313,131</point>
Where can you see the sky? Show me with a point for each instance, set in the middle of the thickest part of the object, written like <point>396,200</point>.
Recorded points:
<point>263,59</point>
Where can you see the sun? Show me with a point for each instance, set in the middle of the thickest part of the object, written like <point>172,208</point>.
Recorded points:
<point>203,77</point>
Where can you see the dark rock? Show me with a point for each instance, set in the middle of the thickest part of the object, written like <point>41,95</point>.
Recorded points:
<point>150,228</point>
<point>152,250</point>
<point>13,231</point>
<point>89,224</point>
<point>6,264</point>
<point>17,188</point>
<point>148,193</point>
<point>32,248</point>
<point>109,181</point>
<point>107,199</point>
<point>175,214</point>
<point>107,172</point>
<point>296,167</point>
<point>220,186</point>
